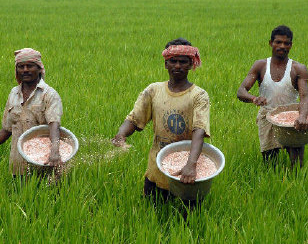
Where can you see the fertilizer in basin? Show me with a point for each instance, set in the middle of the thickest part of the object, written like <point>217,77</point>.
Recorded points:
<point>177,160</point>
<point>285,118</point>
<point>38,149</point>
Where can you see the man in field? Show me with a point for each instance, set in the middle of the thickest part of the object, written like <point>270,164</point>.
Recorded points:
<point>280,81</point>
<point>30,103</point>
<point>179,111</point>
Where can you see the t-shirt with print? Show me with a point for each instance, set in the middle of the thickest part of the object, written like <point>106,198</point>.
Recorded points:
<point>174,116</point>
<point>43,106</point>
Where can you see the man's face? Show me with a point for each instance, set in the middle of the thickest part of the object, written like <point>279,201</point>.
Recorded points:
<point>281,46</point>
<point>179,66</point>
<point>28,71</point>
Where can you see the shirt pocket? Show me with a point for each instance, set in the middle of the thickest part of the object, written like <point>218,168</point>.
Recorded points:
<point>14,114</point>
<point>38,111</point>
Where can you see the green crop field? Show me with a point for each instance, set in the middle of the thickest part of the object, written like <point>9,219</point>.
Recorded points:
<point>99,55</point>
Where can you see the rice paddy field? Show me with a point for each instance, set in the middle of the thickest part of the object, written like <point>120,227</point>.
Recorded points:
<point>99,55</point>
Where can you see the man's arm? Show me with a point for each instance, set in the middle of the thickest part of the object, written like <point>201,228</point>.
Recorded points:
<point>301,123</point>
<point>137,118</point>
<point>54,135</point>
<point>4,135</point>
<point>53,113</point>
<point>125,130</point>
<point>243,92</point>
<point>188,172</point>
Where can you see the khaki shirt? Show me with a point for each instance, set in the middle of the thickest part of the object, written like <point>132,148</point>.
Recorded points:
<point>43,106</point>
<point>174,116</point>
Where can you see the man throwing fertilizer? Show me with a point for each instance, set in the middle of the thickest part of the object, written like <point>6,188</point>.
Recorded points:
<point>179,110</point>
<point>280,81</point>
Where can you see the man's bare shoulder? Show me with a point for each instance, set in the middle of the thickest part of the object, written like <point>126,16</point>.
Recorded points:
<point>259,64</point>
<point>298,67</point>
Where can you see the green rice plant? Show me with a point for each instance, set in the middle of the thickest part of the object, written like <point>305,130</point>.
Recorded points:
<point>99,55</point>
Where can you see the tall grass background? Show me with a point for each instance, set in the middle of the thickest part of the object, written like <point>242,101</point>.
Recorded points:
<point>99,55</point>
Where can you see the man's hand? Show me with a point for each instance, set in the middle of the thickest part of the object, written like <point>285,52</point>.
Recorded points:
<point>125,130</point>
<point>120,141</point>
<point>259,101</point>
<point>301,124</point>
<point>188,173</point>
<point>54,158</point>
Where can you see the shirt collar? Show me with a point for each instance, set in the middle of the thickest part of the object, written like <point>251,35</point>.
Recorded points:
<point>41,85</point>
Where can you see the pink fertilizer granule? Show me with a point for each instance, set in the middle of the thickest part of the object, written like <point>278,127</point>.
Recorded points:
<point>177,160</point>
<point>286,118</point>
<point>38,149</point>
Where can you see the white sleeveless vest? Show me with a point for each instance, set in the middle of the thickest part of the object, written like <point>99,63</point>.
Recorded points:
<point>278,93</point>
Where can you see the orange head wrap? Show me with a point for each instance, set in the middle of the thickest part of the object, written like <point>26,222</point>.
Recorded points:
<point>183,50</point>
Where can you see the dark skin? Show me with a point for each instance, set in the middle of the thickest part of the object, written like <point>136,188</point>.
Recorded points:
<point>281,46</point>
<point>28,73</point>
<point>54,135</point>
<point>178,68</point>
<point>188,172</point>
<point>4,135</point>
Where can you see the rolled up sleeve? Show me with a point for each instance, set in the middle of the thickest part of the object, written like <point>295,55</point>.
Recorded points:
<point>6,120</point>
<point>54,109</point>
<point>201,115</point>
<point>142,111</point>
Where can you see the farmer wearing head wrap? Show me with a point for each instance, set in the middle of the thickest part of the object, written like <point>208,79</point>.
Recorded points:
<point>183,50</point>
<point>179,110</point>
<point>29,55</point>
<point>29,104</point>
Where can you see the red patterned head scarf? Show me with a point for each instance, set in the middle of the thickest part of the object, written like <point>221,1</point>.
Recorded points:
<point>31,55</point>
<point>183,50</point>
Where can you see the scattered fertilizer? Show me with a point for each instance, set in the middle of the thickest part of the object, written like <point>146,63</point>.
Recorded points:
<point>286,118</point>
<point>177,160</point>
<point>38,149</point>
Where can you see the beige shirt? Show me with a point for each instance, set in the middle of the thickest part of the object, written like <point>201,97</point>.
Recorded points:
<point>174,116</point>
<point>43,106</point>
